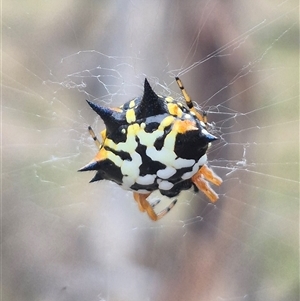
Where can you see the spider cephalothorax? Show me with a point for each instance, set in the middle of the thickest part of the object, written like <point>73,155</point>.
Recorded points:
<point>154,143</point>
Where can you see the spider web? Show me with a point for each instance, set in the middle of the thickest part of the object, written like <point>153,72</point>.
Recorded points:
<point>65,239</point>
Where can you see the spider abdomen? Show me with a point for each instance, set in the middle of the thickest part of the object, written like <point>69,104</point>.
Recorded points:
<point>153,143</point>
<point>152,155</point>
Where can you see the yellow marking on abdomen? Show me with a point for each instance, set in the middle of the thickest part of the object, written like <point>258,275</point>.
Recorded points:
<point>130,116</point>
<point>174,109</point>
<point>166,122</point>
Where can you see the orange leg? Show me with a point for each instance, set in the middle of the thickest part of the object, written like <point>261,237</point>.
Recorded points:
<point>210,176</point>
<point>199,179</point>
<point>138,197</point>
<point>145,206</point>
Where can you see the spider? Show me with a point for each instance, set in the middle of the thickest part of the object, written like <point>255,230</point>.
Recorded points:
<point>154,143</point>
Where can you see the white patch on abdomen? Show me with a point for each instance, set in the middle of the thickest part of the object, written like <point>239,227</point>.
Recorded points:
<point>165,185</point>
<point>146,180</point>
<point>130,169</point>
<point>148,139</point>
<point>200,162</point>
<point>181,163</point>
<point>163,156</point>
<point>166,173</point>
<point>168,158</point>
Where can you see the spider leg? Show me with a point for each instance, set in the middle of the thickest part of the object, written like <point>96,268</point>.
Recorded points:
<point>138,198</point>
<point>92,133</point>
<point>199,179</point>
<point>204,117</point>
<point>210,176</point>
<point>189,102</point>
<point>155,203</point>
<point>145,206</point>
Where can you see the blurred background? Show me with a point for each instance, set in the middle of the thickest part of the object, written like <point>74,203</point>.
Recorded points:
<point>66,239</point>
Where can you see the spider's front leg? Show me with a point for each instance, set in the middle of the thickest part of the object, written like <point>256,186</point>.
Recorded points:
<point>202,117</point>
<point>92,133</point>
<point>144,205</point>
<point>199,179</point>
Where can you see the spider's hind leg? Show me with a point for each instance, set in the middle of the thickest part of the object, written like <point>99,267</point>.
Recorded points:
<point>155,203</point>
<point>144,205</point>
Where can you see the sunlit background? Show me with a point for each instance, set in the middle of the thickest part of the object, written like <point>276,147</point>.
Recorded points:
<point>66,239</point>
